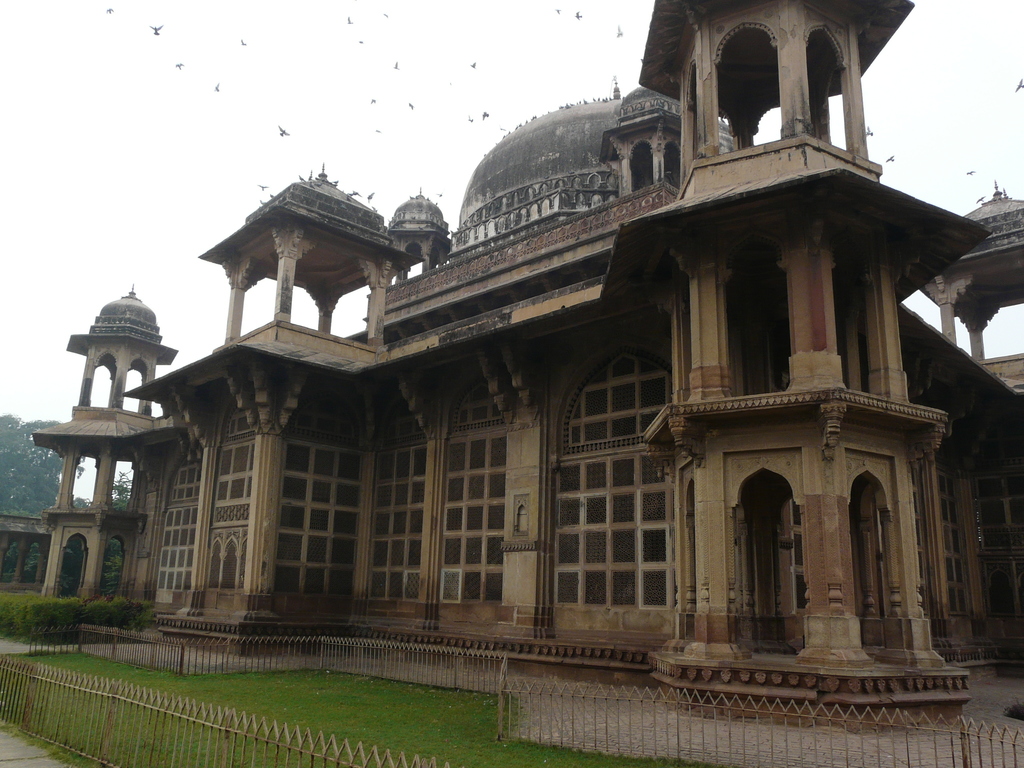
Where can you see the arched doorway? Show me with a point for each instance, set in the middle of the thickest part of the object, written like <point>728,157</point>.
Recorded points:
<point>769,562</point>
<point>72,565</point>
<point>867,508</point>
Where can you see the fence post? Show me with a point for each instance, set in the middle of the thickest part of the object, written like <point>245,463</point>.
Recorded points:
<point>965,743</point>
<point>30,698</point>
<point>113,652</point>
<point>80,633</point>
<point>108,724</point>
<point>502,684</point>
<point>181,657</point>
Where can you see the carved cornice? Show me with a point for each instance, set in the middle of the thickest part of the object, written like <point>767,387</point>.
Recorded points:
<point>290,243</point>
<point>830,419</point>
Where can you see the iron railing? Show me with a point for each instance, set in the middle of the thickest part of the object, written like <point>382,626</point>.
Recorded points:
<point>127,726</point>
<point>741,731</point>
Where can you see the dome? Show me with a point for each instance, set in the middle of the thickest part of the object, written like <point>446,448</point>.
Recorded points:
<point>641,101</point>
<point>127,315</point>
<point>560,144</point>
<point>1000,205</point>
<point>418,213</point>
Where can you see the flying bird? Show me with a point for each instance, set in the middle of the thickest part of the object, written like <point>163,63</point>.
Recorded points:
<point>373,101</point>
<point>179,66</point>
<point>370,196</point>
<point>386,16</point>
<point>471,119</point>
<point>619,33</point>
<point>1020,85</point>
<point>970,173</point>
<point>378,131</point>
<point>283,131</point>
<point>411,106</point>
<point>891,159</point>
<point>354,194</point>
<point>578,15</point>
<point>156,30</point>
<point>243,42</point>
<point>263,187</point>
<point>473,65</point>
<point>217,88</point>
<point>485,115</point>
<point>558,11</point>
<point>981,199</point>
<point>396,65</point>
<point>349,19</point>
<point>110,10</point>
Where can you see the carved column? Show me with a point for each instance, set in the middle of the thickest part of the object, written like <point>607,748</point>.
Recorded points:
<point>814,361</point>
<point>19,566</point>
<point>976,317</point>
<point>709,374</point>
<point>832,630</point>
<point>886,377</point>
<point>242,274</point>
<point>291,245</point>
<point>947,295</point>
<point>378,275</point>
<point>853,96</point>
<point>106,466</point>
<point>68,475</point>
<point>681,341</point>
<point>204,505</point>
<point>325,304</point>
<point>794,88</point>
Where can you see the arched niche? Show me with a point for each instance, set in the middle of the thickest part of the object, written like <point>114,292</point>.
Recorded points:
<point>641,166</point>
<point>72,566</point>
<point>748,80</point>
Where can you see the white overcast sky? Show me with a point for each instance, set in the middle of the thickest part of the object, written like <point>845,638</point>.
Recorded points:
<point>119,168</point>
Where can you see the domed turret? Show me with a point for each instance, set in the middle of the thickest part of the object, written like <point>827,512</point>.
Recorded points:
<point>129,316</point>
<point>418,227</point>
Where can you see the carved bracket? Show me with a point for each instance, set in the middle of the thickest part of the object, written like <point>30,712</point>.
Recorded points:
<point>688,437</point>
<point>267,401</point>
<point>522,381</point>
<point>926,443</point>
<point>830,421</point>
<point>196,419</point>
<point>410,384</point>
<point>499,384</point>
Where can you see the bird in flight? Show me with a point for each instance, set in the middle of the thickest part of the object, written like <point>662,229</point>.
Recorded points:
<point>354,194</point>
<point>373,101</point>
<point>970,173</point>
<point>1020,85</point>
<point>473,65</point>
<point>217,88</point>
<point>156,30</point>
<point>110,10</point>
<point>411,106</point>
<point>243,42</point>
<point>485,115</point>
<point>349,19</point>
<point>558,11</point>
<point>179,66</point>
<point>396,65</point>
<point>891,159</point>
<point>619,33</point>
<point>370,196</point>
<point>471,119</point>
<point>283,131</point>
<point>578,15</point>
<point>981,199</point>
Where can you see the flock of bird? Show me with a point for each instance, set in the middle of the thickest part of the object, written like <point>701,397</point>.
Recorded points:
<point>282,132</point>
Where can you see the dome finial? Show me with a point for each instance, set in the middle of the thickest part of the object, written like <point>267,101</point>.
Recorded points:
<point>998,195</point>
<point>131,293</point>
<point>616,93</point>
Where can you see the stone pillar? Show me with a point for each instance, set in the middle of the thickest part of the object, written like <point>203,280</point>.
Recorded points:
<point>946,295</point>
<point>853,95</point>
<point>832,632</point>
<point>291,245</point>
<point>85,396</point>
<point>5,545</point>
<point>208,467</point>
<point>715,626</point>
<point>709,372</point>
<point>886,377</point>
<point>433,528</point>
<point>709,139</point>
<point>681,341</point>
<point>526,572</point>
<point>325,304</point>
<point>68,475</point>
<point>42,564</point>
<point>95,542</point>
<point>976,317</point>
<point>53,562</point>
<point>264,505</point>
<point>117,387</point>
<point>102,493</point>
<point>19,566</point>
<point>242,275</point>
<point>378,275</point>
<point>793,83</point>
<point>814,362</point>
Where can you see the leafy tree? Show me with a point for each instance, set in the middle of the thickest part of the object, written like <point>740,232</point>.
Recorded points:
<point>122,491</point>
<point>29,476</point>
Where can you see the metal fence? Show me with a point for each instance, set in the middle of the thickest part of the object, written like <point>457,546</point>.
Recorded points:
<point>739,731</point>
<point>438,665</point>
<point>125,726</point>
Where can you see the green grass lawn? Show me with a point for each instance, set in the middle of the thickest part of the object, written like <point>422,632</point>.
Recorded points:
<point>456,726</point>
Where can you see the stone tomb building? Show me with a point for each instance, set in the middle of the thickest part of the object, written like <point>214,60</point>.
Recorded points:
<point>653,408</point>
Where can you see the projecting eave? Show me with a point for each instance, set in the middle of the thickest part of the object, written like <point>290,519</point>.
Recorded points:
<point>671,34</point>
<point>928,238</point>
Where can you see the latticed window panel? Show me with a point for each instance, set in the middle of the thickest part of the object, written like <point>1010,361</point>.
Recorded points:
<point>317,518</point>
<point>177,548</point>
<point>474,516</point>
<point>398,522</point>
<point>616,405</point>
<point>613,539</point>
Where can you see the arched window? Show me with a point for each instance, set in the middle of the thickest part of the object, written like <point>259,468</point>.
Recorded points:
<point>824,75</point>
<point>216,562</point>
<point>177,543</point>
<point>641,166</point>
<point>474,520</point>
<point>399,485</point>
<point>229,569</point>
<point>748,81</point>
<point>1000,593</point>
<point>613,542</point>
<point>71,566</point>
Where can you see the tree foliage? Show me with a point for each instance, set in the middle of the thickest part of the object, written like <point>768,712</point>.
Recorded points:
<point>29,476</point>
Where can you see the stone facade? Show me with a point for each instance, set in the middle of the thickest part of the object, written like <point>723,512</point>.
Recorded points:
<point>622,422</point>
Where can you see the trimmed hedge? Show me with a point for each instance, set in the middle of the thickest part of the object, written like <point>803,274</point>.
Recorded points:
<point>20,615</point>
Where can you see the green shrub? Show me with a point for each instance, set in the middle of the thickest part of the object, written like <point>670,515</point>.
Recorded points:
<point>20,615</point>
